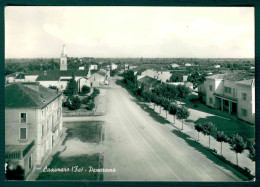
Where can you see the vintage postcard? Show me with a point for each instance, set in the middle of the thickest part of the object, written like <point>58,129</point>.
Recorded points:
<point>129,93</point>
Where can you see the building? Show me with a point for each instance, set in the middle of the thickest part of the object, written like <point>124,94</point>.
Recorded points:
<point>159,75</point>
<point>126,67</point>
<point>59,79</point>
<point>217,66</point>
<point>81,68</point>
<point>175,66</point>
<point>202,92</point>
<point>233,93</point>
<point>148,83</point>
<point>113,66</point>
<point>188,64</point>
<point>93,67</point>
<point>99,78</point>
<point>33,124</point>
<point>63,60</point>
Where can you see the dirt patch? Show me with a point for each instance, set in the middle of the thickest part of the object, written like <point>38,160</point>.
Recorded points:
<point>85,131</point>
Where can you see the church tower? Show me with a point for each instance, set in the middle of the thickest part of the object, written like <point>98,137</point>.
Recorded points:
<point>63,60</point>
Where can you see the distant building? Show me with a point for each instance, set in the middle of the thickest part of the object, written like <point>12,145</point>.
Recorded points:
<point>33,124</point>
<point>126,67</point>
<point>187,64</point>
<point>113,66</point>
<point>159,75</point>
<point>99,78</point>
<point>217,66</point>
<point>81,68</point>
<point>175,66</point>
<point>63,60</point>
<point>252,67</point>
<point>233,93</point>
<point>93,67</point>
<point>148,83</point>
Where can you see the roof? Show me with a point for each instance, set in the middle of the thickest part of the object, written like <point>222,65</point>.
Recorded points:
<point>250,82</point>
<point>216,76</point>
<point>101,73</point>
<point>20,76</point>
<point>239,77</point>
<point>55,75</point>
<point>33,95</point>
<point>149,81</point>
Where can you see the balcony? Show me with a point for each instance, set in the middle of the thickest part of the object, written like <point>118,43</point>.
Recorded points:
<point>225,96</point>
<point>17,151</point>
<point>55,127</point>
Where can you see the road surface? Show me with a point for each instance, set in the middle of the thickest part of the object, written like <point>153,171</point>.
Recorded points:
<point>142,149</point>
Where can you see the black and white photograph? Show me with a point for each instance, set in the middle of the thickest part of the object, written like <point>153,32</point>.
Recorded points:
<point>129,93</point>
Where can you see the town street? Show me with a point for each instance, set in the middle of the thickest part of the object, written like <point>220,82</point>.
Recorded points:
<point>142,149</point>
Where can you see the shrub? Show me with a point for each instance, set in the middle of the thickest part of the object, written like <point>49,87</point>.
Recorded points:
<point>193,99</point>
<point>73,103</point>
<point>86,100</point>
<point>90,106</point>
<point>85,89</point>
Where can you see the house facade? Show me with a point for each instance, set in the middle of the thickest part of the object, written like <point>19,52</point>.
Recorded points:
<point>232,93</point>
<point>33,124</point>
<point>159,75</point>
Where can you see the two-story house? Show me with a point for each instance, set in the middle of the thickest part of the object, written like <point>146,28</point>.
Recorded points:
<point>33,124</point>
<point>233,93</point>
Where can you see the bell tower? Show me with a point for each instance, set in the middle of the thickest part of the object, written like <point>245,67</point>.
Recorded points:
<point>63,60</point>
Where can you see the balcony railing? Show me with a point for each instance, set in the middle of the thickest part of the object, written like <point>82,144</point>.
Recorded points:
<point>54,128</point>
<point>14,155</point>
<point>19,154</point>
<point>28,148</point>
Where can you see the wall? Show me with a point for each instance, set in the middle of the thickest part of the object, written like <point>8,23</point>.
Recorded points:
<point>248,104</point>
<point>12,126</point>
<point>30,78</point>
<point>49,83</point>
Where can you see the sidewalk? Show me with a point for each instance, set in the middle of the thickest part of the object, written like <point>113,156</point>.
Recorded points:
<point>100,103</point>
<point>189,130</point>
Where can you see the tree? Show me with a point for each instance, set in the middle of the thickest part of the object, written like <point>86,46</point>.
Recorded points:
<point>182,113</point>
<point>221,137</point>
<point>183,91</point>
<point>237,145</point>
<point>165,105</point>
<point>208,129</point>
<point>198,128</point>
<point>72,87</point>
<point>73,103</point>
<point>85,89</point>
<point>251,154</point>
<point>173,110</point>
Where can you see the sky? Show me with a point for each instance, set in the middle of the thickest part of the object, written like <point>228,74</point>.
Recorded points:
<point>155,32</point>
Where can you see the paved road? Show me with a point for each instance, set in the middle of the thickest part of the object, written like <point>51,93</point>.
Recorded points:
<point>141,149</point>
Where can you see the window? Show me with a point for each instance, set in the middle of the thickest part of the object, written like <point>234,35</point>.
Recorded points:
<point>227,90</point>
<point>52,120</point>
<point>23,117</point>
<point>210,87</point>
<point>47,124</point>
<point>23,133</point>
<point>244,112</point>
<point>42,130</point>
<point>30,162</point>
<point>244,96</point>
<point>210,100</point>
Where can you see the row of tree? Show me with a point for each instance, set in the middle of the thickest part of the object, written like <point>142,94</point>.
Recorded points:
<point>236,142</point>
